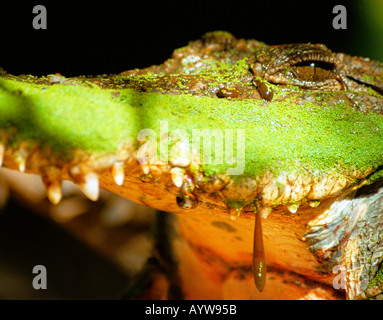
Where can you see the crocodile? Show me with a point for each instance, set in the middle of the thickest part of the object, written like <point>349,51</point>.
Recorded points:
<point>264,161</point>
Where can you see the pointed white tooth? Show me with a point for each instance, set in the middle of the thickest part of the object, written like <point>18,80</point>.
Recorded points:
<point>314,204</point>
<point>293,208</point>
<point>177,176</point>
<point>21,163</point>
<point>54,193</point>
<point>74,171</point>
<point>118,173</point>
<point>179,154</point>
<point>21,157</point>
<point>2,150</point>
<point>91,186</point>
<point>145,168</point>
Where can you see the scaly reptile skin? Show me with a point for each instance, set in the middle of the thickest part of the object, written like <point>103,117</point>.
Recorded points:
<point>306,129</point>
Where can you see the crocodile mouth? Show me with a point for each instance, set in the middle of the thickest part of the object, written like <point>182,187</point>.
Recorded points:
<point>329,210</point>
<point>311,153</point>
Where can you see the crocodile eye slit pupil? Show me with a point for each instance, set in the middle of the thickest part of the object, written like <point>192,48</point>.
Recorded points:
<point>313,70</point>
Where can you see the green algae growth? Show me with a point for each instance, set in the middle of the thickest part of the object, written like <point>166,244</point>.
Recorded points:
<point>279,135</point>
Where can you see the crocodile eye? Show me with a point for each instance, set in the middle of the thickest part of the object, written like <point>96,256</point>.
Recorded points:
<point>313,70</point>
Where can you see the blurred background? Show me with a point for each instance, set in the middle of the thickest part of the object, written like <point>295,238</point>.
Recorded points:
<point>91,249</point>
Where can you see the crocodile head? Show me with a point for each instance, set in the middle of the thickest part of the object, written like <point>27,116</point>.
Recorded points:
<point>222,130</point>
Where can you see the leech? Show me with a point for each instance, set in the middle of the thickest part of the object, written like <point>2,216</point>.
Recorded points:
<point>259,264</point>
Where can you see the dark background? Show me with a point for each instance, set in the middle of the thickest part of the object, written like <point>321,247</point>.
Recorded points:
<point>87,37</point>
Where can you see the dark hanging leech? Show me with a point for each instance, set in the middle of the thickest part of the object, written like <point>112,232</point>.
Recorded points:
<point>259,265</point>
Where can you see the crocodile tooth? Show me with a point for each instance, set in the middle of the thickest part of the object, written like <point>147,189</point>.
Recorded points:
<point>54,192</point>
<point>155,170</point>
<point>177,176</point>
<point>51,179</point>
<point>21,155</point>
<point>179,154</point>
<point>22,166</point>
<point>286,192</point>
<point>75,171</point>
<point>90,187</point>
<point>298,189</point>
<point>270,192</point>
<point>322,188</point>
<point>293,208</point>
<point>2,150</point>
<point>339,185</point>
<point>118,173</point>
<point>314,204</point>
<point>21,161</point>
<point>145,168</point>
